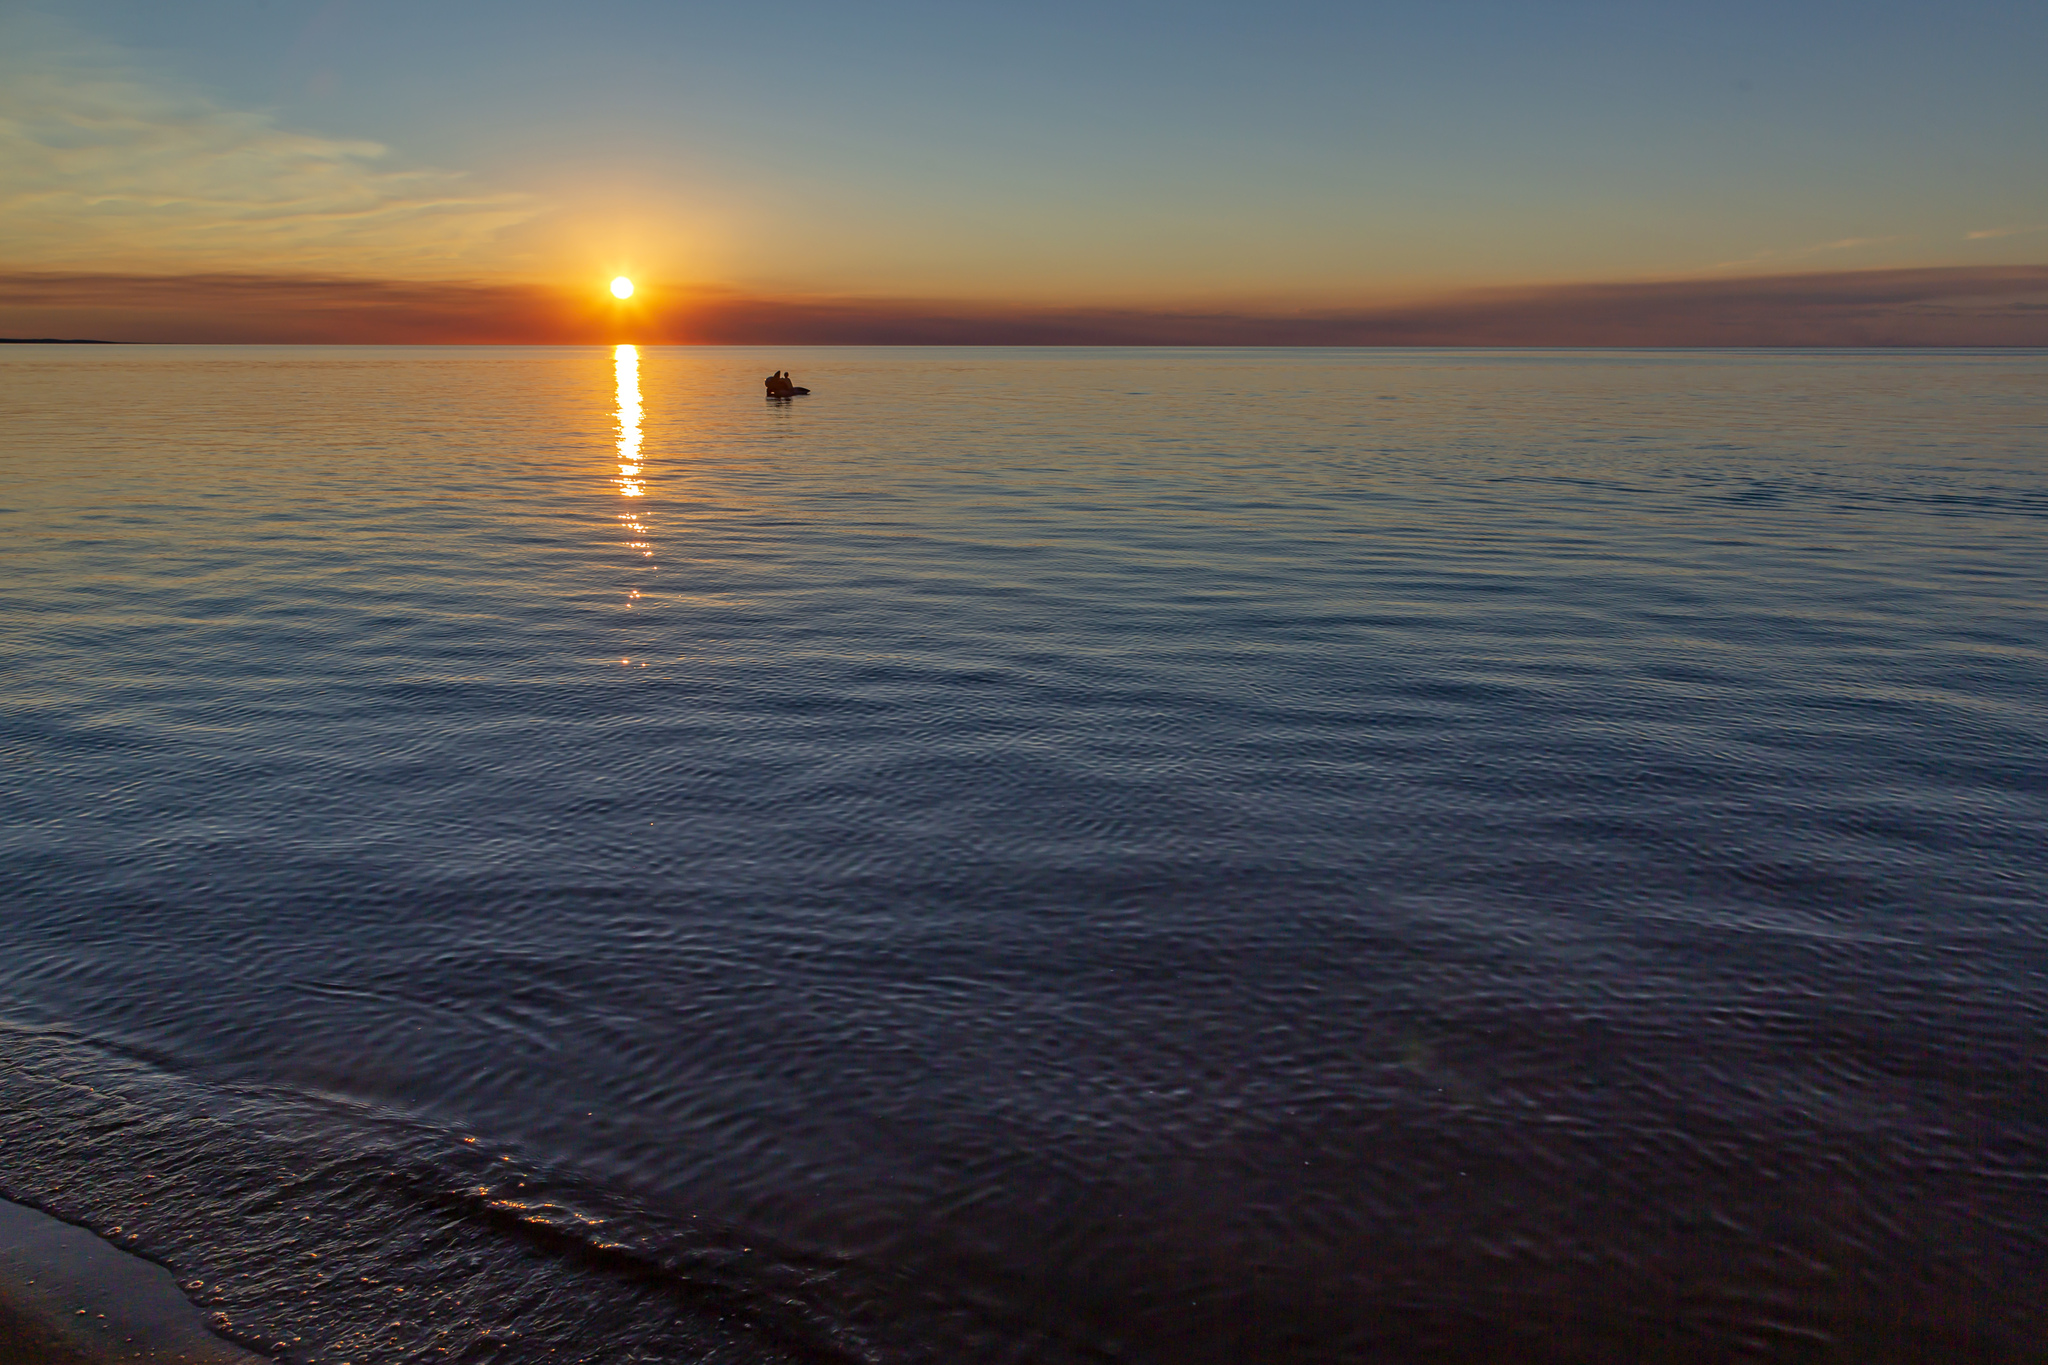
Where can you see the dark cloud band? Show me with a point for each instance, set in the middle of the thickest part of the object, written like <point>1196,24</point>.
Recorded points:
<point>1954,306</point>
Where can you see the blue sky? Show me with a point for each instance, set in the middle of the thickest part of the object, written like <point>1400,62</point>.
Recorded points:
<point>1299,154</point>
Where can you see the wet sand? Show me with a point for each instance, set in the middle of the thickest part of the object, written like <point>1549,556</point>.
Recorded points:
<point>68,1297</point>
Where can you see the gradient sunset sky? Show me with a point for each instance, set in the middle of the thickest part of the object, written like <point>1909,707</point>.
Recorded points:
<point>366,170</point>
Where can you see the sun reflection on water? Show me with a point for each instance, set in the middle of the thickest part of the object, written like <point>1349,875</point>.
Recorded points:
<point>626,366</point>
<point>626,363</point>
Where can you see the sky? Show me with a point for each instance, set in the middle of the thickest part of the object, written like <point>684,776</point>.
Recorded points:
<point>1278,172</point>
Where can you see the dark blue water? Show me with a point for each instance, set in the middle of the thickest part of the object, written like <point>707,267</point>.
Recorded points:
<point>1035,856</point>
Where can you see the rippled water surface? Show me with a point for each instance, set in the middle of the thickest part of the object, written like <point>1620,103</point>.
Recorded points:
<point>1034,856</point>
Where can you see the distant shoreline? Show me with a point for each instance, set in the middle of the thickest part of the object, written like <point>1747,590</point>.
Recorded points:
<point>1873,348</point>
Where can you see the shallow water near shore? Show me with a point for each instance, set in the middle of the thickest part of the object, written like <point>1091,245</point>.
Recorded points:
<point>1034,855</point>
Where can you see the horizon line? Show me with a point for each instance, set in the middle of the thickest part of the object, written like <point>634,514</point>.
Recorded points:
<point>1934,307</point>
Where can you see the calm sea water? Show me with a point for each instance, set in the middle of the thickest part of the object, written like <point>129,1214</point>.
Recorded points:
<point>1035,856</point>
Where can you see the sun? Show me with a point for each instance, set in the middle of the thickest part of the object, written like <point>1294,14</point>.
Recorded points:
<point>622,288</point>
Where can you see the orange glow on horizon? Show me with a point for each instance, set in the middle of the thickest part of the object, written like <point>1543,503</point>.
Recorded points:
<point>1815,308</point>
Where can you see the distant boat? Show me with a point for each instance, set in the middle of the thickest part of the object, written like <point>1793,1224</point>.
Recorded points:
<point>780,387</point>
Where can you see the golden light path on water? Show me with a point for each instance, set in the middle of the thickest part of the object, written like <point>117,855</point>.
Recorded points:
<point>626,370</point>
<point>626,364</point>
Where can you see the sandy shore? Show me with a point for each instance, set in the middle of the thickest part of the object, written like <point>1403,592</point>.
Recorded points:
<point>68,1297</point>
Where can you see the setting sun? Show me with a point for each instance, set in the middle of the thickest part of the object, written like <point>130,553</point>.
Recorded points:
<point>622,288</point>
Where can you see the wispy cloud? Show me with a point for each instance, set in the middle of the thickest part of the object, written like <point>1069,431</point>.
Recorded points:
<point>1800,253</point>
<point>1950,306</point>
<point>1982,234</point>
<point>101,168</point>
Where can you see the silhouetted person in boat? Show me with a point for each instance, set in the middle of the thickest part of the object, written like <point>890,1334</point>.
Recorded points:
<point>779,385</point>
